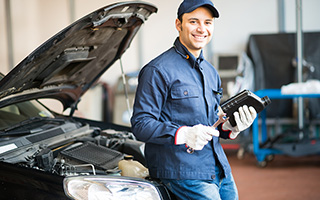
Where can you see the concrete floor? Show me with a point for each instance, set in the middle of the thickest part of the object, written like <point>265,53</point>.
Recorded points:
<point>283,178</point>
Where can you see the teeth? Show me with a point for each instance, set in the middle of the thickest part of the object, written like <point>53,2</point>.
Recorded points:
<point>199,37</point>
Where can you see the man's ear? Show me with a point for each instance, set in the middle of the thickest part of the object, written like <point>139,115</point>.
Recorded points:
<point>178,25</point>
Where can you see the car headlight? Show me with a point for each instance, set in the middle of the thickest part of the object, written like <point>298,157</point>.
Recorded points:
<point>108,188</point>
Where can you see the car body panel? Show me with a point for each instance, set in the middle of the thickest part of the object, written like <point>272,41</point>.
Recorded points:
<point>40,149</point>
<point>66,65</point>
<point>19,182</point>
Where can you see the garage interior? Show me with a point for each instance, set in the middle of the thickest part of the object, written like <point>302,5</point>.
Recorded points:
<point>276,43</point>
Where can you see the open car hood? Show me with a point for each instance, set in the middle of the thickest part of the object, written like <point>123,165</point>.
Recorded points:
<point>69,63</point>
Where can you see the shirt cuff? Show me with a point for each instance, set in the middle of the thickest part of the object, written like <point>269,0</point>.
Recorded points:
<point>176,137</point>
<point>225,134</point>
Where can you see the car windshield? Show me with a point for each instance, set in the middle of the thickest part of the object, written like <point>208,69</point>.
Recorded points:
<point>16,113</point>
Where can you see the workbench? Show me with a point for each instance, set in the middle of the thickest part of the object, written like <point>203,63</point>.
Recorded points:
<point>263,155</point>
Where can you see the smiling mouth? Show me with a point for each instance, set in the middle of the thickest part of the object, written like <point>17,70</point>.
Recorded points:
<point>199,37</point>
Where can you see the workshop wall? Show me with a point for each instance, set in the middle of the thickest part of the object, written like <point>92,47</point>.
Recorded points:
<point>34,21</point>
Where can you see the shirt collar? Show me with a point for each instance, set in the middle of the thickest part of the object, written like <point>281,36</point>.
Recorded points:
<point>183,51</point>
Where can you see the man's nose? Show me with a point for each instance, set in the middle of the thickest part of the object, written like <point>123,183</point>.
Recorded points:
<point>201,28</point>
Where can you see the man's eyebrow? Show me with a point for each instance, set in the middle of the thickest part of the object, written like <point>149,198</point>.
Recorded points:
<point>194,18</point>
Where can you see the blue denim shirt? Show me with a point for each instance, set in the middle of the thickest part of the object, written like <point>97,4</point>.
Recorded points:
<point>176,89</point>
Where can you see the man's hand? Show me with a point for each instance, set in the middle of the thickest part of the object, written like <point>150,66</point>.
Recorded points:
<point>195,137</point>
<point>244,118</point>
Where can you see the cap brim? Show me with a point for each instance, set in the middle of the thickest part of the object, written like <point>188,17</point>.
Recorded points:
<point>213,10</point>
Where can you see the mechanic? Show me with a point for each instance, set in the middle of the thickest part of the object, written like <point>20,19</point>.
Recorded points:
<point>177,102</point>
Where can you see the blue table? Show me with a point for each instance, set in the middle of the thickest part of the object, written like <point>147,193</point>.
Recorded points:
<point>262,153</point>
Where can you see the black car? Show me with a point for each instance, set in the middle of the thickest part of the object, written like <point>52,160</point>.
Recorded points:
<point>45,155</point>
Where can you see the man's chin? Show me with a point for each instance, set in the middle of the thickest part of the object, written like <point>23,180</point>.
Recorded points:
<point>200,46</point>
<point>200,43</point>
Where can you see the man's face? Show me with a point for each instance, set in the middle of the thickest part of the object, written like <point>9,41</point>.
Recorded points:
<point>196,29</point>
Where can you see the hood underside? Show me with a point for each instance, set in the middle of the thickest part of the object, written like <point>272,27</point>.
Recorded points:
<point>66,65</point>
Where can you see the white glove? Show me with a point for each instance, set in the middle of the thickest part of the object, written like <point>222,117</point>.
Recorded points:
<point>243,120</point>
<point>196,136</point>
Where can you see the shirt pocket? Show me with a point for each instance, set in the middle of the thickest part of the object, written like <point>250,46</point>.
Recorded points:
<point>185,102</point>
<point>184,93</point>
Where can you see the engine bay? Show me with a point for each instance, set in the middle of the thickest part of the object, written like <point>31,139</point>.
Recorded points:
<point>71,148</point>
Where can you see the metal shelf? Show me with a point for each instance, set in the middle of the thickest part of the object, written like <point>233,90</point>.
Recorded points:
<point>263,155</point>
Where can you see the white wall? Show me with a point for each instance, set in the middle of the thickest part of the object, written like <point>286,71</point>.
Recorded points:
<point>155,36</point>
<point>241,18</point>
<point>238,20</point>
<point>3,40</point>
<point>34,21</point>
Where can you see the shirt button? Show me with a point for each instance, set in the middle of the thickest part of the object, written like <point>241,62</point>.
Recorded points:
<point>213,176</point>
<point>185,93</point>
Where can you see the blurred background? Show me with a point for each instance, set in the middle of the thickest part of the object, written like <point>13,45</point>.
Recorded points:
<point>24,25</point>
<point>254,47</point>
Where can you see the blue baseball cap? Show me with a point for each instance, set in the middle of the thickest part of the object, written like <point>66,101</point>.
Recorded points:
<point>188,6</point>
